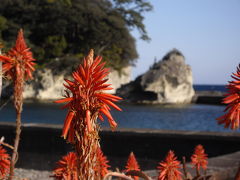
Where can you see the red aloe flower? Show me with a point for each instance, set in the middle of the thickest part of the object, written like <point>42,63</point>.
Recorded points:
<point>199,158</point>
<point>86,101</point>
<point>169,169</point>
<point>66,168</point>
<point>86,98</point>
<point>101,164</point>
<point>232,117</point>
<point>4,163</point>
<point>18,65</point>
<point>132,164</point>
<point>19,57</point>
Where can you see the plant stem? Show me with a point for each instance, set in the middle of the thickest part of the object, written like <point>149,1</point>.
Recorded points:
<point>197,171</point>
<point>16,143</point>
<point>18,102</point>
<point>184,167</point>
<point>86,147</point>
<point>0,73</point>
<point>0,77</point>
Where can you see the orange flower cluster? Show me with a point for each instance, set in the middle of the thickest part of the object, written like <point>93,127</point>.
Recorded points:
<point>132,164</point>
<point>18,65</point>
<point>4,163</point>
<point>232,117</point>
<point>66,168</point>
<point>85,97</point>
<point>101,164</point>
<point>19,57</point>
<point>169,168</point>
<point>199,158</point>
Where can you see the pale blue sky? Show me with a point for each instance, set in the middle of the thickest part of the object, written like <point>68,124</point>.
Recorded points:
<point>207,32</point>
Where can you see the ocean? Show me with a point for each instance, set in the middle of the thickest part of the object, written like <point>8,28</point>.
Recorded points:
<point>192,117</point>
<point>221,88</point>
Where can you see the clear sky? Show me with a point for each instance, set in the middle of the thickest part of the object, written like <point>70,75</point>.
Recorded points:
<point>207,32</point>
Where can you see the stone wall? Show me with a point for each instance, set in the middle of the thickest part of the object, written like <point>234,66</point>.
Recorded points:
<point>41,145</point>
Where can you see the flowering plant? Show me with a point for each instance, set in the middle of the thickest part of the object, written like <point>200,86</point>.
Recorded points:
<point>132,164</point>
<point>4,163</point>
<point>199,158</point>
<point>18,65</point>
<point>232,117</point>
<point>86,102</point>
<point>169,168</point>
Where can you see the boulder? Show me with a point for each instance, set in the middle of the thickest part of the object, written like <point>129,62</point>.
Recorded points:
<point>167,81</point>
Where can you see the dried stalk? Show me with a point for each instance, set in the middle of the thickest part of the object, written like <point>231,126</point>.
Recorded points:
<point>5,144</point>
<point>139,174</point>
<point>117,174</point>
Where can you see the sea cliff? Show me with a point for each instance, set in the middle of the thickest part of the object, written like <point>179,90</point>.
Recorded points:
<point>48,85</point>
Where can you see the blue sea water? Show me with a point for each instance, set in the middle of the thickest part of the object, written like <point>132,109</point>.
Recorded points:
<point>193,117</point>
<point>199,87</point>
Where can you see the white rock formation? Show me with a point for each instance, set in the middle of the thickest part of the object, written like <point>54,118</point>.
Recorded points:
<point>45,86</point>
<point>167,81</point>
<point>48,86</point>
<point>117,79</point>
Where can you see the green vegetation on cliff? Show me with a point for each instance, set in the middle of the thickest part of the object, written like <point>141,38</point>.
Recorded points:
<point>64,30</point>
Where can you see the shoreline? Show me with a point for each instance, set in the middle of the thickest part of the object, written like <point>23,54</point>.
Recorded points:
<point>200,97</point>
<point>208,97</point>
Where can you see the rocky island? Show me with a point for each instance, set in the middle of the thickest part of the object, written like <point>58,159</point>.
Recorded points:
<point>167,81</point>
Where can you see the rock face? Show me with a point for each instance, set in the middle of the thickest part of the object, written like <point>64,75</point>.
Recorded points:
<point>45,86</point>
<point>117,79</point>
<point>167,81</point>
<point>48,85</point>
